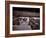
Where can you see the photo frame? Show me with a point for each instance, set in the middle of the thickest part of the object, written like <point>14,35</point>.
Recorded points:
<point>24,19</point>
